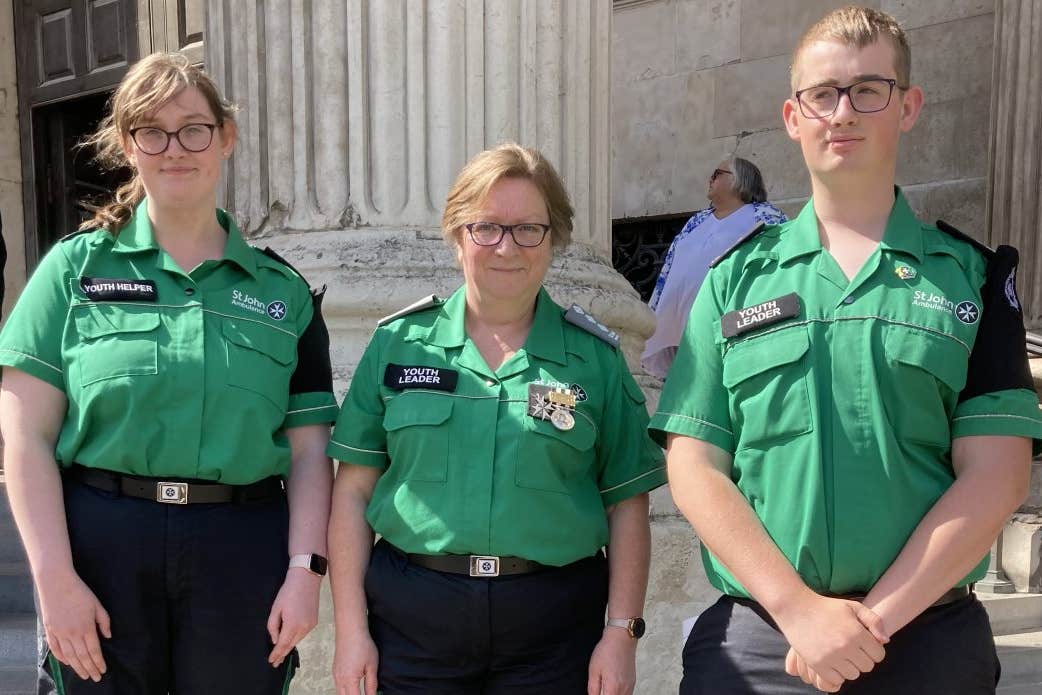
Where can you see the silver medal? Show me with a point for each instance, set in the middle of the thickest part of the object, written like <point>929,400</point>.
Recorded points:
<point>562,419</point>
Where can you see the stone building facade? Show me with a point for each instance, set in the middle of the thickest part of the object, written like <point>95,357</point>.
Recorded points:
<point>356,115</point>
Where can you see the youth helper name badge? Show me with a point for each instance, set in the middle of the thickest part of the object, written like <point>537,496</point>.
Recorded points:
<point>735,323</point>
<point>399,377</point>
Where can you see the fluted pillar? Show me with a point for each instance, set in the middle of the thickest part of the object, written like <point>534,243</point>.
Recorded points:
<point>1014,204</point>
<point>355,118</point>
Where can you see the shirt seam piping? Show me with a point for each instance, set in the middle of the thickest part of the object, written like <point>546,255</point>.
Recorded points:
<point>994,415</point>
<point>33,358</point>
<point>189,306</point>
<point>852,318</point>
<point>633,480</point>
<point>305,410</point>
<point>695,419</point>
<point>355,448</point>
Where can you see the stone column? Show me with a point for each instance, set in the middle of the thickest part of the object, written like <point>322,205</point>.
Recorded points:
<point>1015,153</point>
<point>356,117</point>
<point>1015,216</point>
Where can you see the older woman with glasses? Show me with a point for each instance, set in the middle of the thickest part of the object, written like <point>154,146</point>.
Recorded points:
<point>496,443</point>
<point>738,203</point>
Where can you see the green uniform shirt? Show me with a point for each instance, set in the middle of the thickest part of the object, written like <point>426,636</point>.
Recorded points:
<point>467,469</point>
<point>193,375</point>
<point>840,417</point>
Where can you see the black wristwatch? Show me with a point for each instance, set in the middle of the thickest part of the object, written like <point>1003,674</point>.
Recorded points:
<point>634,626</point>
<point>312,562</point>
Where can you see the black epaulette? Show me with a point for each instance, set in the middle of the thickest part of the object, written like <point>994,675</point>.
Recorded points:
<point>577,316</point>
<point>962,236</point>
<point>270,253</point>
<point>757,228</point>
<point>419,305</point>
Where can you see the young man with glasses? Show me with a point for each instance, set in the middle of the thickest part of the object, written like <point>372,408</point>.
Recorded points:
<point>857,426</point>
<point>738,202</point>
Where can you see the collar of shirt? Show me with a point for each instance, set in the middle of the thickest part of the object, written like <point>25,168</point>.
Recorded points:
<point>903,232</point>
<point>545,338</point>
<point>137,236</point>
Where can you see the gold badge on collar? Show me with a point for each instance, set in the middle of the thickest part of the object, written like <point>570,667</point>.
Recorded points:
<point>905,272</point>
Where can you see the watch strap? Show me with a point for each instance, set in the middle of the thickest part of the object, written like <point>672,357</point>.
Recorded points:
<point>312,562</point>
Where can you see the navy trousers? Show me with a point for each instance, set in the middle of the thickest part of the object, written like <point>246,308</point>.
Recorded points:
<point>188,588</point>
<point>736,649</point>
<point>449,634</point>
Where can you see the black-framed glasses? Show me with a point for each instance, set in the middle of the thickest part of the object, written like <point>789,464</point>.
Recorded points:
<point>527,234</point>
<point>866,96</point>
<point>193,137</point>
<point>717,173</point>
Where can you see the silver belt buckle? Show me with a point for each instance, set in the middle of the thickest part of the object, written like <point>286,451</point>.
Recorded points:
<point>484,566</point>
<point>172,493</point>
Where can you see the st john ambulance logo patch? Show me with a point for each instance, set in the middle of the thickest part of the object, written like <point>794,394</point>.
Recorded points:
<point>967,312</point>
<point>277,310</point>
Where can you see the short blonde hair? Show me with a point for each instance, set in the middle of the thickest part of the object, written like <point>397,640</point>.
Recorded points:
<point>858,26</point>
<point>509,160</point>
<point>149,84</point>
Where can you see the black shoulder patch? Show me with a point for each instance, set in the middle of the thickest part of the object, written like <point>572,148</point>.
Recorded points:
<point>962,236</point>
<point>757,228</point>
<point>270,253</point>
<point>577,316</point>
<point>419,305</point>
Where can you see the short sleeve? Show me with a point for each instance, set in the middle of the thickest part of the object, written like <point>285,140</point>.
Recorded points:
<point>32,336</point>
<point>999,397</point>
<point>629,462</point>
<point>694,402</point>
<point>359,436</point>
<point>311,400</point>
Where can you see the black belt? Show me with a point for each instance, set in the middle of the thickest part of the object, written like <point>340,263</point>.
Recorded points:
<point>176,491</point>
<point>475,565</point>
<point>950,596</point>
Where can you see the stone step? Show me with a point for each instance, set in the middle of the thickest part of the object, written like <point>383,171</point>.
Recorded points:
<point>17,654</point>
<point>16,588</point>
<point>1021,658</point>
<point>1013,613</point>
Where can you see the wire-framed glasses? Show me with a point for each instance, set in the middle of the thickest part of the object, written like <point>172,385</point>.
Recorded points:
<point>490,234</point>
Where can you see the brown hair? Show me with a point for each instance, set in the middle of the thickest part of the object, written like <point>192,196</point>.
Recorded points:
<point>150,83</point>
<point>859,26</point>
<point>486,168</point>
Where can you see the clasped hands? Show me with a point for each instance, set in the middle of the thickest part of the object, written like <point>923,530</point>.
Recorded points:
<point>831,640</point>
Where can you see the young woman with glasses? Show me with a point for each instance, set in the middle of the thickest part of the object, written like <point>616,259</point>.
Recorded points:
<point>165,407</point>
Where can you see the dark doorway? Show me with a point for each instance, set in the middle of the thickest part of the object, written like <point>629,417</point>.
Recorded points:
<point>70,176</point>
<point>639,246</point>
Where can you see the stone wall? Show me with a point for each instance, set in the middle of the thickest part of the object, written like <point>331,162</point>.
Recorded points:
<point>10,161</point>
<point>696,80</point>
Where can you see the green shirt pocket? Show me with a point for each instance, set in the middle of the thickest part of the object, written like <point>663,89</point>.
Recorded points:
<point>766,377</point>
<point>930,371</point>
<point>550,459</point>
<point>417,425</point>
<point>259,359</point>
<point>116,341</point>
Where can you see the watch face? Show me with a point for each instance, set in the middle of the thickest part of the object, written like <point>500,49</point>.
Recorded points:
<point>318,564</point>
<point>637,627</point>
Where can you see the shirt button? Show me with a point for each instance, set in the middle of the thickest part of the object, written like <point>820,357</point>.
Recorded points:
<point>189,291</point>
<point>490,383</point>
<point>849,299</point>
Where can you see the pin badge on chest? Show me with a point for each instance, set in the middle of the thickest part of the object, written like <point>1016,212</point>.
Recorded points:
<point>562,419</point>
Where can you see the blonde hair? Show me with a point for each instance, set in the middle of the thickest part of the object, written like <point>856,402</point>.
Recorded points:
<point>150,83</point>
<point>486,168</point>
<point>859,26</point>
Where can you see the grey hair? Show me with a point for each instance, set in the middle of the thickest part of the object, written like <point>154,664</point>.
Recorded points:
<point>748,182</point>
